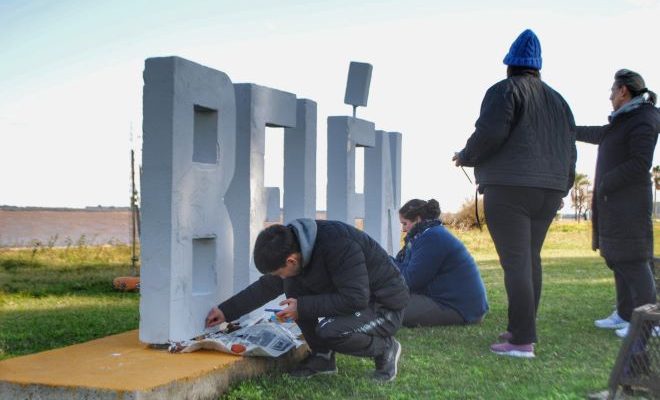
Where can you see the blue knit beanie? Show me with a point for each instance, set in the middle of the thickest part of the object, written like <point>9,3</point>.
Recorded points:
<point>525,51</point>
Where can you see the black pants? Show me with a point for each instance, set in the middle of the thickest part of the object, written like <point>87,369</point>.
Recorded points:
<point>367,333</point>
<point>424,311</point>
<point>518,219</point>
<point>634,286</point>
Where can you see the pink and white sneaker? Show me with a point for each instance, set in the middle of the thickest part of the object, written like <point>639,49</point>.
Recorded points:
<point>513,350</point>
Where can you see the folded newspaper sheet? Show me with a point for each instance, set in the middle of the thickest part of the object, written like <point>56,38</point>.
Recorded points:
<point>263,338</point>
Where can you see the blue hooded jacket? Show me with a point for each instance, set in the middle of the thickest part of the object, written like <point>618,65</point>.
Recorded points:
<point>437,265</point>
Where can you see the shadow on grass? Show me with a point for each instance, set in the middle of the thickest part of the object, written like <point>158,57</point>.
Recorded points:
<point>549,262</point>
<point>33,279</point>
<point>13,264</point>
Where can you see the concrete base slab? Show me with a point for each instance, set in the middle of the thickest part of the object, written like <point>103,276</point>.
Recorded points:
<point>120,367</point>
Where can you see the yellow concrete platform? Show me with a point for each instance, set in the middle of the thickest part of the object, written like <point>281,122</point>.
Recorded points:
<point>120,367</point>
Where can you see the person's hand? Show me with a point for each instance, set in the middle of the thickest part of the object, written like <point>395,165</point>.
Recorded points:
<point>215,317</point>
<point>456,159</point>
<point>291,310</point>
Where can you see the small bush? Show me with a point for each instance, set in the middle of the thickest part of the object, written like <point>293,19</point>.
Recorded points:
<point>465,218</point>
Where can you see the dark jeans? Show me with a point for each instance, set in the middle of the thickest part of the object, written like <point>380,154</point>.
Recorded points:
<point>367,333</point>
<point>424,311</point>
<point>634,286</point>
<point>518,219</point>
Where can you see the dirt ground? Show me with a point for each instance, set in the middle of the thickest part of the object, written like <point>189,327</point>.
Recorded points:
<point>25,227</point>
<point>58,227</point>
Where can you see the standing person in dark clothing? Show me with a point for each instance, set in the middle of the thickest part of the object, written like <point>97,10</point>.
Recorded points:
<point>523,154</point>
<point>334,272</point>
<point>622,198</point>
<point>444,281</point>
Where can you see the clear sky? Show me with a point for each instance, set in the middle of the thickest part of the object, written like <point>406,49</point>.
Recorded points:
<point>71,77</point>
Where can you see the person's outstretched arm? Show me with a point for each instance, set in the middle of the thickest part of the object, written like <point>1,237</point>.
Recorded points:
<point>265,289</point>
<point>590,134</point>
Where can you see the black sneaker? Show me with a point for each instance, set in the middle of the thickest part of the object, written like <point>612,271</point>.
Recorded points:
<point>387,363</point>
<point>316,364</point>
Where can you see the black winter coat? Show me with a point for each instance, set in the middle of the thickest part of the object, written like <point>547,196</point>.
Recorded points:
<point>622,199</point>
<point>525,136</point>
<point>347,271</point>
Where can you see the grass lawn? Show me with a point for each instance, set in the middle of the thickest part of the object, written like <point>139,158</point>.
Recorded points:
<point>55,297</point>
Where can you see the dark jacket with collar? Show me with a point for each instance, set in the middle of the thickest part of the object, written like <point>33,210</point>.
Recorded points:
<point>525,136</point>
<point>622,201</point>
<point>436,264</point>
<point>344,270</point>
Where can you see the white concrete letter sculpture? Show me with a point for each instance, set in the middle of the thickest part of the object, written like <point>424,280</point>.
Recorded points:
<point>256,108</point>
<point>382,197</point>
<point>188,162</point>
<point>344,135</point>
<point>203,194</point>
<point>300,164</point>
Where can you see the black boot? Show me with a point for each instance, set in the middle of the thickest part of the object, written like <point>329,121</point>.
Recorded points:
<point>387,363</point>
<point>316,364</point>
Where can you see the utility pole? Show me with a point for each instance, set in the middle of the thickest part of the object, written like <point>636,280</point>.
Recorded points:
<point>130,283</point>
<point>134,217</point>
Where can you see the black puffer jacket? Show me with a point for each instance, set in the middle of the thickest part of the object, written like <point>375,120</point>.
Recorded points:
<point>345,272</point>
<point>622,198</point>
<point>525,136</point>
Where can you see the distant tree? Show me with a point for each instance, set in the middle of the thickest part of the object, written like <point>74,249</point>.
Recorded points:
<point>580,195</point>
<point>587,203</point>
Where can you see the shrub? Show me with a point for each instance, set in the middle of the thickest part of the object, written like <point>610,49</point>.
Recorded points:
<point>465,218</point>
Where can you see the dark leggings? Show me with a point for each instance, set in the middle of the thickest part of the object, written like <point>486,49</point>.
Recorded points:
<point>518,219</point>
<point>424,311</point>
<point>634,286</point>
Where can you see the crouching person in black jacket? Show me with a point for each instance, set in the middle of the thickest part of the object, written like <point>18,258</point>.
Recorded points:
<point>341,288</point>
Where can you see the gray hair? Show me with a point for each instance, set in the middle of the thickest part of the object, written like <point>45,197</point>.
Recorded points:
<point>635,84</point>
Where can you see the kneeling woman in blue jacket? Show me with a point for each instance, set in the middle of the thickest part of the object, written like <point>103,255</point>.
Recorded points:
<point>445,284</point>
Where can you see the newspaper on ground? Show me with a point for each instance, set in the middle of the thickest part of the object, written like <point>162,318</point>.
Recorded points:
<point>263,337</point>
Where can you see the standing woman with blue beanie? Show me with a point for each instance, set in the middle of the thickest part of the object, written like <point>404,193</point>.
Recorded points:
<point>444,281</point>
<point>622,199</point>
<point>523,154</point>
